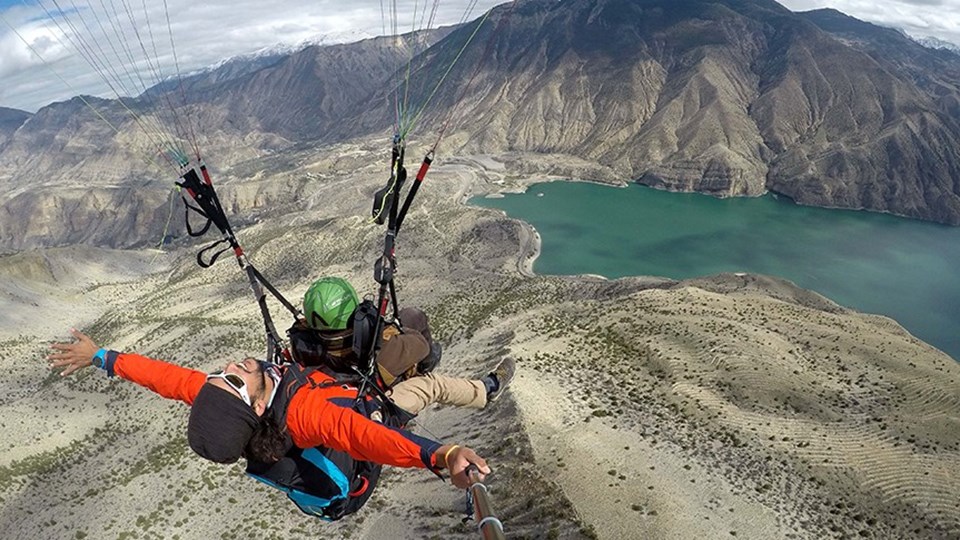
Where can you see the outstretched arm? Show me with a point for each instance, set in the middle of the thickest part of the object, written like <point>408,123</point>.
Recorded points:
<point>168,380</point>
<point>73,356</point>
<point>323,416</point>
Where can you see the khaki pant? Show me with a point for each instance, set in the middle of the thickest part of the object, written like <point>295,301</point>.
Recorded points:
<point>416,393</point>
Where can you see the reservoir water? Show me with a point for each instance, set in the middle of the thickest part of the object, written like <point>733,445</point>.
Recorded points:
<point>905,269</point>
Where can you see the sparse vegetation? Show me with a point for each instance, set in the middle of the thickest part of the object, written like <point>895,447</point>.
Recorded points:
<point>718,382</point>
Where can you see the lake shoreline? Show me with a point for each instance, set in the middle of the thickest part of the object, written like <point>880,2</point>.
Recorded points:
<point>845,255</point>
<point>531,243</point>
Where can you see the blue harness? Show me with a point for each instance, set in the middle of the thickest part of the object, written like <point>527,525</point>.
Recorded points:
<point>322,482</point>
<point>313,505</point>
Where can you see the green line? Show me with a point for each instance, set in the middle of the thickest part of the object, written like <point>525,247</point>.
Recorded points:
<point>155,132</point>
<point>166,227</point>
<point>416,118</point>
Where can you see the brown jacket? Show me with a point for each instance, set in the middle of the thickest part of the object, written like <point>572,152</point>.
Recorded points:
<point>401,351</point>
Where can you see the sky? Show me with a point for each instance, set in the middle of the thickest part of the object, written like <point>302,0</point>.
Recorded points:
<point>207,31</point>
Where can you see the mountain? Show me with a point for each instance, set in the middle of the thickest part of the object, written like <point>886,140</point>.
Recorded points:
<point>238,66</point>
<point>68,177</point>
<point>229,69</point>
<point>931,42</point>
<point>10,121</point>
<point>727,97</point>
<point>733,98</point>
<point>305,96</point>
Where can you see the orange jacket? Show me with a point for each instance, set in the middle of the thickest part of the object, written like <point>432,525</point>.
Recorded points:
<point>317,416</point>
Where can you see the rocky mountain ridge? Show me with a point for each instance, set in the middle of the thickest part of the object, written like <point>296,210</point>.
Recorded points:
<point>931,42</point>
<point>10,121</point>
<point>731,98</point>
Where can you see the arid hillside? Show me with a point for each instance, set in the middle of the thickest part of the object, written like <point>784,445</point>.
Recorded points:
<point>728,406</point>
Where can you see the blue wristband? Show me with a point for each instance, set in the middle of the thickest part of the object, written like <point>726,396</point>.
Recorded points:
<point>100,359</point>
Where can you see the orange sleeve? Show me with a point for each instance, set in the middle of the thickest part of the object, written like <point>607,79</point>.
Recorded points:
<point>169,380</point>
<point>323,416</point>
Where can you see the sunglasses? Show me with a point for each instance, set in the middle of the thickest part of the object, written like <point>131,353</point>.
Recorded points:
<point>234,381</point>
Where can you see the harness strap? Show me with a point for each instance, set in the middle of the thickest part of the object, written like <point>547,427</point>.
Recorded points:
<point>213,259</point>
<point>186,218</point>
<point>302,375</point>
<point>206,198</point>
<point>273,290</point>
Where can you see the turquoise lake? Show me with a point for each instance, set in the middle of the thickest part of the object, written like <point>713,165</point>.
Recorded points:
<point>905,269</point>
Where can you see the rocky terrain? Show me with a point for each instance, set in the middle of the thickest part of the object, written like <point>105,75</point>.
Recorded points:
<point>731,97</point>
<point>931,42</point>
<point>727,406</point>
<point>10,121</point>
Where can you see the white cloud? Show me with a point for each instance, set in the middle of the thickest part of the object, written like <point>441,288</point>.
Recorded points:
<point>208,31</point>
<point>919,18</point>
<point>19,52</point>
<point>204,33</point>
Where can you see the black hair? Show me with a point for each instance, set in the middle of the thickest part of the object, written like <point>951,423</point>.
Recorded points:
<point>269,441</point>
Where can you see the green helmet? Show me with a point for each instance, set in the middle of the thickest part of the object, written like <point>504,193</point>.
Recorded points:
<point>329,303</point>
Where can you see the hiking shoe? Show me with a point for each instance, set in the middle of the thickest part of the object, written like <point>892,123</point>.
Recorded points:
<point>503,373</point>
